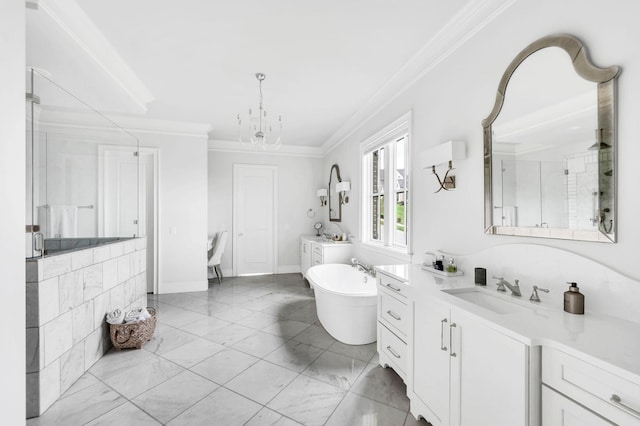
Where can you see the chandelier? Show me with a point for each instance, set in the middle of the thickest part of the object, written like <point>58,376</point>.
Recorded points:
<point>260,131</point>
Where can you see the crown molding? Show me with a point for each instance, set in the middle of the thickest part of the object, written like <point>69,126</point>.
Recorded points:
<point>87,37</point>
<point>284,150</point>
<point>68,119</point>
<point>464,25</point>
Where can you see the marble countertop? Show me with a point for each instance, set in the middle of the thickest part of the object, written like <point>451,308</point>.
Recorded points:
<point>610,343</point>
<point>322,240</point>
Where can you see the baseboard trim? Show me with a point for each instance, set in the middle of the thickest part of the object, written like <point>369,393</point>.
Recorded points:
<point>166,287</point>
<point>288,269</point>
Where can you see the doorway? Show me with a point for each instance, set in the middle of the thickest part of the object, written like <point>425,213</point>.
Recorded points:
<point>254,224</point>
<point>128,199</point>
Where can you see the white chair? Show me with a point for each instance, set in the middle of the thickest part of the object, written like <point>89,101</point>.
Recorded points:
<point>216,256</point>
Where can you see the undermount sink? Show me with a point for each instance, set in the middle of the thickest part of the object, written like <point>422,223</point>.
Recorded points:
<point>498,303</point>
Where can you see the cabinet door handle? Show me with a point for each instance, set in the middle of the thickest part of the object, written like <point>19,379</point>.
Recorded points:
<point>394,353</point>
<point>442,346</point>
<point>453,324</point>
<point>393,288</point>
<point>394,315</point>
<point>617,401</point>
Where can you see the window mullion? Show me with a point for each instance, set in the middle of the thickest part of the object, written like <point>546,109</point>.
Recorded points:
<point>389,189</point>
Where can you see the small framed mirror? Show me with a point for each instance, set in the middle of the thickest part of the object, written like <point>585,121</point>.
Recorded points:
<point>550,146</point>
<point>335,206</point>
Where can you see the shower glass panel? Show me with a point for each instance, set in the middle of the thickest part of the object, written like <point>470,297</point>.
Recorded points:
<point>546,194</point>
<point>83,174</point>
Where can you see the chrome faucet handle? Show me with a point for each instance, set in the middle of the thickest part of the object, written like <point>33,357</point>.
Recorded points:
<point>500,284</point>
<point>534,295</point>
<point>515,289</point>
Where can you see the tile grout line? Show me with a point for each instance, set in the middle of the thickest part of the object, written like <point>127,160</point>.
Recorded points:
<point>125,401</point>
<point>276,295</point>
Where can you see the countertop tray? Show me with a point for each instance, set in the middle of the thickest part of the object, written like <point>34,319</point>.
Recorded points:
<point>442,273</point>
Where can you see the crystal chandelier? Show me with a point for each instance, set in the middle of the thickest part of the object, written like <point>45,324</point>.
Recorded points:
<point>260,131</point>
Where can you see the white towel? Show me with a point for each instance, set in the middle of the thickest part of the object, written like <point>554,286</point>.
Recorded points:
<point>68,221</point>
<point>510,216</point>
<point>137,314</point>
<point>43,220</point>
<point>115,317</point>
<point>61,221</point>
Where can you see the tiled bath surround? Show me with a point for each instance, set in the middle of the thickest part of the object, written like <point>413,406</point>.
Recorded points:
<point>68,296</point>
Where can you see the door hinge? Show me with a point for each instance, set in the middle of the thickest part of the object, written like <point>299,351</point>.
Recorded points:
<point>135,153</point>
<point>135,221</point>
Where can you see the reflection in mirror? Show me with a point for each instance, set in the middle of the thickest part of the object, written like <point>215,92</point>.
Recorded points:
<point>549,146</point>
<point>335,206</point>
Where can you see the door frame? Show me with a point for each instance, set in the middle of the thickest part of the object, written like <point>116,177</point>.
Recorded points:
<point>155,153</point>
<point>234,209</point>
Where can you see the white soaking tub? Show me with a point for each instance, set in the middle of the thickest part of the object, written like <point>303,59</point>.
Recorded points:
<point>346,302</point>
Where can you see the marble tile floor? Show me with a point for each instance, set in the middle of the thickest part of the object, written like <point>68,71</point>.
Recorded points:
<point>247,352</point>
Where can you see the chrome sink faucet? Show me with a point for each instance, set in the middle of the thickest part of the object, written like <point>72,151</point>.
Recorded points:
<point>515,288</point>
<point>534,295</point>
<point>361,266</point>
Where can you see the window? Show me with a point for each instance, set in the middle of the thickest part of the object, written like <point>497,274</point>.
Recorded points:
<point>385,177</point>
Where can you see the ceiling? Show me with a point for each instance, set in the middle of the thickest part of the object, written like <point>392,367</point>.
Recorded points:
<point>195,60</point>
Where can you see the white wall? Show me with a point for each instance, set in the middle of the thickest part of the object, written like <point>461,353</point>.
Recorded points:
<point>12,213</point>
<point>182,230</point>
<point>451,101</point>
<point>298,179</point>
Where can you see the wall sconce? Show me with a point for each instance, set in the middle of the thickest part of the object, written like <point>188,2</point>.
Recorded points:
<point>342,188</point>
<point>322,193</point>
<point>444,153</point>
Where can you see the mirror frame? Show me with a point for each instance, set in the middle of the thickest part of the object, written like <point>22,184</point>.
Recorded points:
<point>606,79</point>
<point>339,209</point>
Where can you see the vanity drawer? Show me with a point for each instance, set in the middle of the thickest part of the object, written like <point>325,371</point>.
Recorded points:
<point>392,350</point>
<point>395,313</point>
<point>317,258</point>
<point>611,396</point>
<point>558,410</point>
<point>396,287</point>
<point>317,248</point>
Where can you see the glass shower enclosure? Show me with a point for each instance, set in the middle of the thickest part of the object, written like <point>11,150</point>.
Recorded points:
<point>83,180</point>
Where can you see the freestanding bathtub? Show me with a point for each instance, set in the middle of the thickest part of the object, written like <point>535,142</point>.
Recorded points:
<point>346,302</point>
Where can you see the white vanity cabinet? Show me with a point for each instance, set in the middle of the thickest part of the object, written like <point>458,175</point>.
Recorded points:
<point>330,252</point>
<point>395,323</point>
<point>558,410</point>
<point>305,254</point>
<point>465,373</point>
<point>570,384</point>
<point>315,251</point>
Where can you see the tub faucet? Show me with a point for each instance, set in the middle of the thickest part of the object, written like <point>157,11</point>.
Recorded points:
<point>515,289</point>
<point>361,266</point>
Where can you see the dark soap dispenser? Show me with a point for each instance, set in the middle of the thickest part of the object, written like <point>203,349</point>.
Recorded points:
<point>573,300</point>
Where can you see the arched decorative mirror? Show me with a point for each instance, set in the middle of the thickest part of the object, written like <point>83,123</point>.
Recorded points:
<point>335,206</point>
<point>550,146</point>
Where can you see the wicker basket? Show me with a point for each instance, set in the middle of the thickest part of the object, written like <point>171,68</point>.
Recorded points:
<point>135,334</point>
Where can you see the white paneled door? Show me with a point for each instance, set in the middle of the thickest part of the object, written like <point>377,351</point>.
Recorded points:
<point>128,199</point>
<point>122,191</point>
<point>254,213</point>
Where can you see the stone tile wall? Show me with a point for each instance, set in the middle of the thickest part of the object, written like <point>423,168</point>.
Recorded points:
<point>68,296</point>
